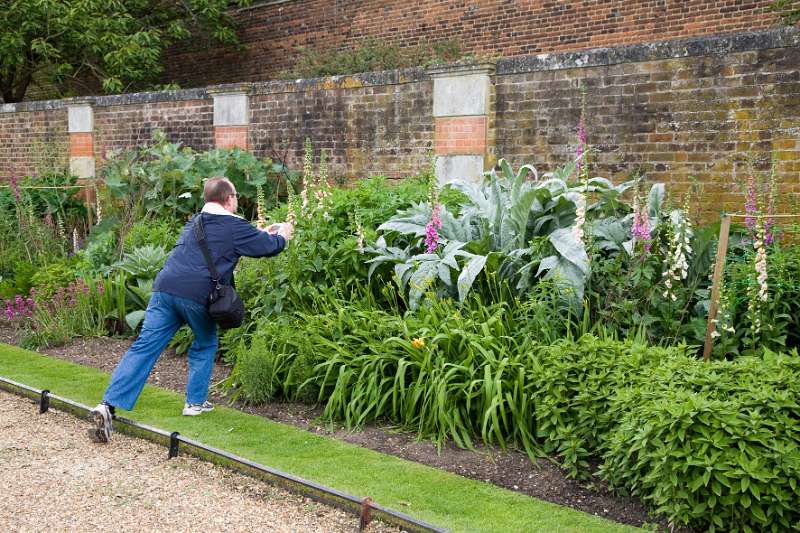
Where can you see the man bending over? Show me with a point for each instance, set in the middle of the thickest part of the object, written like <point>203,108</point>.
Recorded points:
<point>180,295</point>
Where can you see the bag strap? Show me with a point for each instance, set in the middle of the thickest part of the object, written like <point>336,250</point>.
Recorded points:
<point>200,233</point>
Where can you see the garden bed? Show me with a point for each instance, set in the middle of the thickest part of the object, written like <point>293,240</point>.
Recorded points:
<point>512,470</point>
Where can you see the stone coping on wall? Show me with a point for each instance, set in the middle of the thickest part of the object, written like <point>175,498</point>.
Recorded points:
<point>179,95</point>
<point>699,46</point>
<point>637,53</point>
<point>366,79</point>
<point>353,81</point>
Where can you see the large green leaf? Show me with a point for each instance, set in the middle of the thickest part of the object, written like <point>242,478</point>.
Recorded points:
<point>655,199</point>
<point>404,227</point>
<point>421,281</point>
<point>570,279</point>
<point>468,275</point>
<point>517,220</point>
<point>570,248</point>
<point>609,233</point>
<point>134,318</point>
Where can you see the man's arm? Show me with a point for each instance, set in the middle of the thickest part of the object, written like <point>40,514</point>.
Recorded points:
<point>251,242</point>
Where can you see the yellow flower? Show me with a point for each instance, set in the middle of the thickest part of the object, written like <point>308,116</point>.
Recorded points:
<point>419,342</point>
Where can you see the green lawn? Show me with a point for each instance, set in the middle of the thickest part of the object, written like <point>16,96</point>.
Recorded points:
<point>426,493</point>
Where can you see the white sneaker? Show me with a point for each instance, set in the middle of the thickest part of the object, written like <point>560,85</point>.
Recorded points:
<point>101,416</point>
<point>195,409</point>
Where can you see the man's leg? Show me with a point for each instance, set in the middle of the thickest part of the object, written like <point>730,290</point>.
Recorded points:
<point>201,355</point>
<point>161,321</point>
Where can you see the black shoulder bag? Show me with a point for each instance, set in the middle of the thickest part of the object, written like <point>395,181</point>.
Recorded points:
<point>224,304</point>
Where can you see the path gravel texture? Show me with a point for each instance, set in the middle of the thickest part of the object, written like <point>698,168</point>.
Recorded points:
<point>53,478</point>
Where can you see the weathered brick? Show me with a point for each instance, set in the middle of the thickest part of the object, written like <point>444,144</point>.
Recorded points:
<point>81,144</point>
<point>383,123</point>
<point>273,32</point>
<point>231,137</point>
<point>701,127</point>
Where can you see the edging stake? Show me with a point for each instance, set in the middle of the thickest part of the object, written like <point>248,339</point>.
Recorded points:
<point>173,444</point>
<point>366,503</point>
<point>44,401</point>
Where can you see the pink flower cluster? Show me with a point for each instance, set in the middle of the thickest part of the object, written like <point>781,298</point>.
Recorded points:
<point>753,208</point>
<point>431,234</point>
<point>15,187</point>
<point>641,225</point>
<point>20,308</point>
<point>69,297</point>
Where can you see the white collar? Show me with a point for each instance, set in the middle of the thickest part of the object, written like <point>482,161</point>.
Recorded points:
<point>213,208</point>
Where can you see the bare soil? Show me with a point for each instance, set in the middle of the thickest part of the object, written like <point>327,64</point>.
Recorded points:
<point>510,469</point>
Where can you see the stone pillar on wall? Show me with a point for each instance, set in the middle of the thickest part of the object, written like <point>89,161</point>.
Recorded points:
<point>231,116</point>
<point>81,139</point>
<point>461,113</point>
<point>80,117</point>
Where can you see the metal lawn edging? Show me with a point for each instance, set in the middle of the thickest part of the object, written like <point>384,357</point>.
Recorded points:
<point>364,508</point>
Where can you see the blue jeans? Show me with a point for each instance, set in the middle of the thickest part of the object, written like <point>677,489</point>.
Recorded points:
<point>165,314</point>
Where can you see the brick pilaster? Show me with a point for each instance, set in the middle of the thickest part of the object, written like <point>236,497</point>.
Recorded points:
<point>81,139</point>
<point>461,112</point>
<point>80,116</point>
<point>231,116</point>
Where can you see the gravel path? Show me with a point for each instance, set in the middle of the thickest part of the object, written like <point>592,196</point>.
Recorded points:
<point>54,478</point>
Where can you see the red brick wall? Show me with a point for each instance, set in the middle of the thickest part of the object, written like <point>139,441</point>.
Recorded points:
<point>33,142</point>
<point>460,135</point>
<point>674,111</point>
<point>271,32</point>
<point>81,145</point>
<point>384,129</point>
<point>379,124</point>
<point>674,119</point>
<point>231,137</point>
<point>118,127</point>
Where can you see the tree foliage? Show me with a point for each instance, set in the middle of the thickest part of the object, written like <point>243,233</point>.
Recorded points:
<point>118,43</point>
<point>787,10</point>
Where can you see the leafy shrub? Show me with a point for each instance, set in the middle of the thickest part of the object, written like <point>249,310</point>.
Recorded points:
<point>626,291</point>
<point>720,452</point>
<point>302,377</point>
<point>48,279</point>
<point>159,232</point>
<point>524,224</point>
<point>182,340</point>
<point>137,296</point>
<point>143,262</point>
<point>259,369</point>
<point>99,253</point>
<point>165,180</point>
<point>20,282</point>
<point>324,252</point>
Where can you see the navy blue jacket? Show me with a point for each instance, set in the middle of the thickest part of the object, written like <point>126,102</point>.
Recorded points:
<point>186,275</point>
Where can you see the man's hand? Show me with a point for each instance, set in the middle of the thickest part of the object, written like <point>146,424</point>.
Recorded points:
<point>283,229</point>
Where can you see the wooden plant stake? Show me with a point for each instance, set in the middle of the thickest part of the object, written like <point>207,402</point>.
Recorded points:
<point>722,250</point>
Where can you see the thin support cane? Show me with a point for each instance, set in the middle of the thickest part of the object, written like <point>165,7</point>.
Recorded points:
<point>44,401</point>
<point>722,250</point>
<point>173,445</point>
